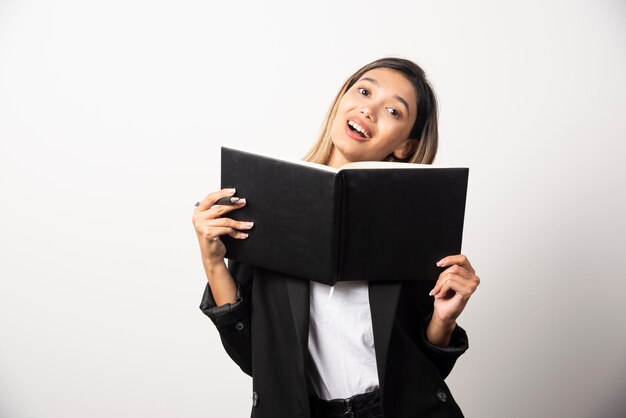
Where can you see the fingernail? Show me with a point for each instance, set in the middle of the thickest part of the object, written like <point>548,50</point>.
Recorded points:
<point>439,263</point>
<point>232,191</point>
<point>431,293</point>
<point>241,201</point>
<point>243,235</point>
<point>249,224</point>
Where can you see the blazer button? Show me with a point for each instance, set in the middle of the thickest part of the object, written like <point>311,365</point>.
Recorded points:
<point>441,395</point>
<point>255,398</point>
<point>239,326</point>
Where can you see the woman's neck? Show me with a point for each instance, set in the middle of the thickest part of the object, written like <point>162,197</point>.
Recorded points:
<point>336,159</point>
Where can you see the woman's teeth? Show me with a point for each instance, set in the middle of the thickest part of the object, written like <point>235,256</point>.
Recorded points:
<point>355,126</point>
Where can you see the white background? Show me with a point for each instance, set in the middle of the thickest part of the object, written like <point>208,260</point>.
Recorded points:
<point>111,118</point>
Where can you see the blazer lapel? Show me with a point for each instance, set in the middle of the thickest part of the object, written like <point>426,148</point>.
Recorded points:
<point>298,291</point>
<point>383,303</point>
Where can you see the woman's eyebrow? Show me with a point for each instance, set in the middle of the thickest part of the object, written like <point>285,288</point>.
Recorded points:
<point>400,99</point>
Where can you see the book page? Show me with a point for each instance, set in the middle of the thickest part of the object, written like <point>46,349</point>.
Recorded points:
<point>351,166</point>
<point>383,164</point>
<point>315,165</point>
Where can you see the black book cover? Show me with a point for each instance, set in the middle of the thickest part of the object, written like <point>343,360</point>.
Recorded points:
<point>320,224</point>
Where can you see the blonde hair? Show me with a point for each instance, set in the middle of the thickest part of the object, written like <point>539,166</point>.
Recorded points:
<point>424,130</point>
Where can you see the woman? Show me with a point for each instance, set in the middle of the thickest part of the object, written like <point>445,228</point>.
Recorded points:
<point>358,349</point>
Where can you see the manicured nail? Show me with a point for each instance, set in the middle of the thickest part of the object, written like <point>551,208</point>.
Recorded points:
<point>431,293</point>
<point>231,191</point>
<point>241,201</point>
<point>243,235</point>
<point>249,224</point>
<point>439,263</point>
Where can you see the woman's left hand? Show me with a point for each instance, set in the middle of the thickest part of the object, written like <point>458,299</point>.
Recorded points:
<point>455,286</point>
<point>452,291</point>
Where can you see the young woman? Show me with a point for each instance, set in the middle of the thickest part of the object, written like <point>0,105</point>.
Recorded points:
<point>359,349</point>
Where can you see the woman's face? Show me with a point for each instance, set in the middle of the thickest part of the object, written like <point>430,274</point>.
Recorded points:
<point>374,119</point>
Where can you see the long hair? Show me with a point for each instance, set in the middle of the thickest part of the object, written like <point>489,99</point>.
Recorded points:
<point>424,129</point>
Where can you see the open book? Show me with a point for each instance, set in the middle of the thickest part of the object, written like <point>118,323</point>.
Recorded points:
<point>363,221</point>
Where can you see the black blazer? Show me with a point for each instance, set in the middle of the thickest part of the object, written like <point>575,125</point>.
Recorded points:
<point>265,332</point>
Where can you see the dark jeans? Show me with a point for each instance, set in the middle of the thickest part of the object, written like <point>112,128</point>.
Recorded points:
<point>366,405</point>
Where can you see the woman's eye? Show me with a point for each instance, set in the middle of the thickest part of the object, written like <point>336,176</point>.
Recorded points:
<point>364,91</point>
<point>393,112</point>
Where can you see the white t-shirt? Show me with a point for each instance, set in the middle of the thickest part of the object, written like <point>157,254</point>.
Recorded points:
<point>342,358</point>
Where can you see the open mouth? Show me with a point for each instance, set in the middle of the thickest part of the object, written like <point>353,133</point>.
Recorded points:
<point>358,129</point>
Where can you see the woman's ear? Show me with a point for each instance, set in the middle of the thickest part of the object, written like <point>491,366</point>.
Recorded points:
<point>408,147</point>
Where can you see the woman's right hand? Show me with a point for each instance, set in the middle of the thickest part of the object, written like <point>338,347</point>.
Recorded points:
<point>210,225</point>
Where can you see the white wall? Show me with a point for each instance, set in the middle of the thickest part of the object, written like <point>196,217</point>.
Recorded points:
<point>111,118</point>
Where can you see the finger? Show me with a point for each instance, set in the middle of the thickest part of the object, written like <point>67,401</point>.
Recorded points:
<point>454,271</point>
<point>448,273</point>
<point>459,259</point>
<point>228,222</point>
<point>462,274</point>
<point>459,288</point>
<point>214,233</point>
<point>216,211</point>
<point>211,198</point>
<point>469,285</point>
<point>213,228</point>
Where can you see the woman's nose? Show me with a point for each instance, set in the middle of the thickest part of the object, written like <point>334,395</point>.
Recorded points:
<point>367,113</point>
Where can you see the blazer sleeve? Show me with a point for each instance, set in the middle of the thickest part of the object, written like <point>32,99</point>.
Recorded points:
<point>232,320</point>
<point>444,357</point>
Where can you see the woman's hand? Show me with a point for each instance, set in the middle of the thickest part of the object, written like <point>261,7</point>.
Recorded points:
<point>209,225</point>
<point>455,286</point>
